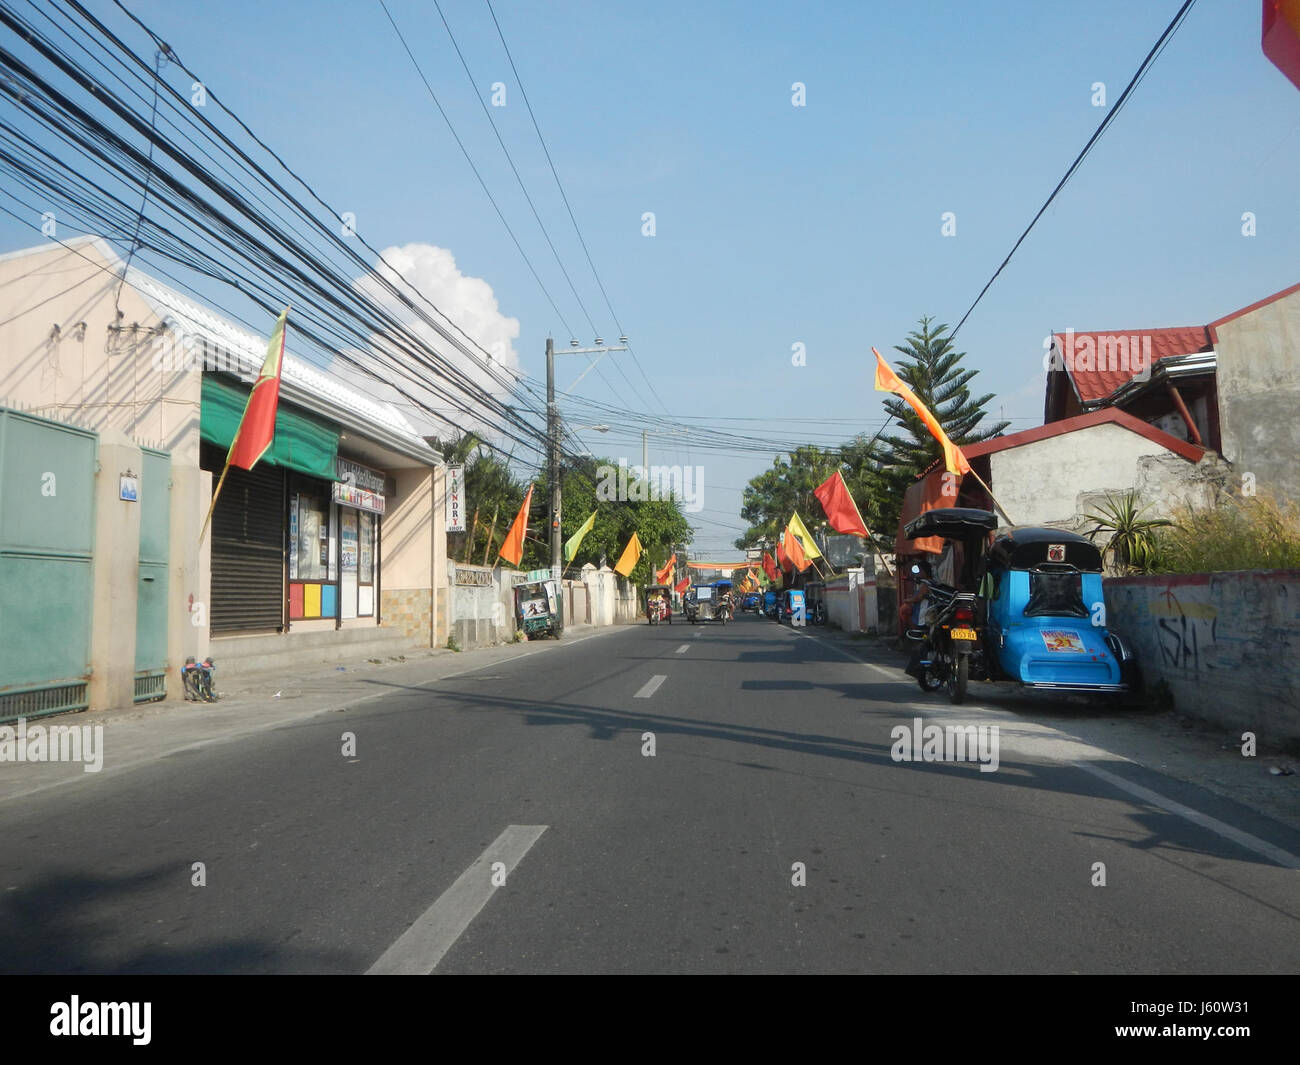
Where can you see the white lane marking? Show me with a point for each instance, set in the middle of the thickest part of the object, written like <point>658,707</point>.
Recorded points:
<point>650,687</point>
<point>891,674</point>
<point>1243,839</point>
<point>697,634</point>
<point>683,649</point>
<point>419,949</point>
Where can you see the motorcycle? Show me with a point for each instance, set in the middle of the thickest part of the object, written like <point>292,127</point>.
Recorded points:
<point>951,645</point>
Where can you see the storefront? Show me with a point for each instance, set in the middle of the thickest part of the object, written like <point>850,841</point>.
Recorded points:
<point>334,536</point>
<point>295,540</point>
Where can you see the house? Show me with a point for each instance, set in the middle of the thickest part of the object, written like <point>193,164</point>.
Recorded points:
<point>330,545</point>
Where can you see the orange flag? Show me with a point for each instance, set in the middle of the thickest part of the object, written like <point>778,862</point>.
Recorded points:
<point>513,548</point>
<point>888,381</point>
<point>666,572</point>
<point>782,559</point>
<point>794,550</point>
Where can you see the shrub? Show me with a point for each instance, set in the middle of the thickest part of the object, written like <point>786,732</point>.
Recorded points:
<point>1250,533</point>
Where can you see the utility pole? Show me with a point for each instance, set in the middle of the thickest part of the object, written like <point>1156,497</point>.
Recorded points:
<point>553,442</point>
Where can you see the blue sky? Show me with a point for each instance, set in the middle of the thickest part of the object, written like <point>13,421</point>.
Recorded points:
<point>778,225</point>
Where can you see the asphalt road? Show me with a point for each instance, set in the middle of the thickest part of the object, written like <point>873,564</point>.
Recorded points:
<point>772,752</point>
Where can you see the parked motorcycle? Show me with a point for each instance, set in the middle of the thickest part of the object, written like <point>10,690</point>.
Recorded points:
<point>951,645</point>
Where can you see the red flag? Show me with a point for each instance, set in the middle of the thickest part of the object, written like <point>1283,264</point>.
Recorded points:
<point>769,567</point>
<point>513,548</point>
<point>782,559</point>
<point>1281,36</point>
<point>681,586</point>
<point>794,550</point>
<point>841,511</point>
<point>667,571</point>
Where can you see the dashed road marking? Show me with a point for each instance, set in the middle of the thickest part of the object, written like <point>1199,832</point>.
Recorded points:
<point>419,949</point>
<point>650,687</point>
<point>683,649</point>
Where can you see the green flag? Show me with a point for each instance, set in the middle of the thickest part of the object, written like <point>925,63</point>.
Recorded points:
<point>572,544</point>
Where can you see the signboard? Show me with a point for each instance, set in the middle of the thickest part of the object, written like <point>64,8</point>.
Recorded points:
<point>455,498</point>
<point>358,476</point>
<point>843,550</point>
<point>473,578</point>
<point>351,496</point>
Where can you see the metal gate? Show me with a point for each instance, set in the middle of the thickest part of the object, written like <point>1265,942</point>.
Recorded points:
<point>151,593</point>
<point>47,539</point>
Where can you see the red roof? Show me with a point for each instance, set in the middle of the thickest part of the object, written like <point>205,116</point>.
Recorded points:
<point>1100,377</point>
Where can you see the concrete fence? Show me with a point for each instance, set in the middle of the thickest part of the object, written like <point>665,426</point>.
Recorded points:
<point>851,602</point>
<point>481,610</point>
<point>1226,644</point>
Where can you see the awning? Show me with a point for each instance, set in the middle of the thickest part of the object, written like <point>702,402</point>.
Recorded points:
<point>303,443</point>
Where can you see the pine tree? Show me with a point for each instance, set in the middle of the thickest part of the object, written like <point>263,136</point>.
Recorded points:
<point>932,370</point>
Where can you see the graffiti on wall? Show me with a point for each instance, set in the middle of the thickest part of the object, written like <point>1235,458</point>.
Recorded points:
<point>1186,632</point>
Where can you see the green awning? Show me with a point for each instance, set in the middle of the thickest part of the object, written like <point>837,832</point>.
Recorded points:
<point>303,443</point>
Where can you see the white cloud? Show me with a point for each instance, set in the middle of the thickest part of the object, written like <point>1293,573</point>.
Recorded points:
<point>467,301</point>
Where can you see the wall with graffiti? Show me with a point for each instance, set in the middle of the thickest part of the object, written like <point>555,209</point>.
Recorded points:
<point>1227,644</point>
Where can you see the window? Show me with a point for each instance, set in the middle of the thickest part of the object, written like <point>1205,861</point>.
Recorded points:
<point>1056,594</point>
<point>313,546</point>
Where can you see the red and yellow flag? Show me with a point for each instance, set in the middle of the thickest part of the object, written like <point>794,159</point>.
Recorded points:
<point>513,548</point>
<point>256,430</point>
<point>888,381</point>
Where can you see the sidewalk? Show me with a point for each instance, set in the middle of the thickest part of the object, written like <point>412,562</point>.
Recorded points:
<point>1166,741</point>
<point>137,735</point>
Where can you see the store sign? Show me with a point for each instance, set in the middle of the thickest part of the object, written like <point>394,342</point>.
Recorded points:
<point>351,496</point>
<point>455,498</point>
<point>358,476</point>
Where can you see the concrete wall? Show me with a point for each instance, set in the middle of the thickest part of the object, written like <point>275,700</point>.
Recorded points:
<point>851,602</point>
<point>410,555</point>
<point>1227,644</point>
<point>1055,481</point>
<point>1259,394</point>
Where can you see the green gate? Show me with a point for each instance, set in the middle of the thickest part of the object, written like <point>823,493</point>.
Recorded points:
<point>151,593</point>
<point>47,538</point>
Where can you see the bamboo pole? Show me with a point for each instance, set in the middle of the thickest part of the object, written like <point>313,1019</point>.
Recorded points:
<point>213,505</point>
<point>468,554</point>
<point>1001,508</point>
<point>492,535</point>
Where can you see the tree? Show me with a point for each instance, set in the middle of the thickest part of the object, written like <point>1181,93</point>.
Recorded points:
<point>776,493</point>
<point>931,369</point>
<point>490,489</point>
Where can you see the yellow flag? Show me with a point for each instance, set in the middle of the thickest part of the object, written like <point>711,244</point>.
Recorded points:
<point>631,554</point>
<point>796,526</point>
<point>888,381</point>
<point>572,544</point>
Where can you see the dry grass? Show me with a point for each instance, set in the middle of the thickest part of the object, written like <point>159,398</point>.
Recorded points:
<point>1255,533</point>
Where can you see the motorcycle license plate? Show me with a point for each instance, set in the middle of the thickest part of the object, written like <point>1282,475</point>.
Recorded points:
<point>962,634</point>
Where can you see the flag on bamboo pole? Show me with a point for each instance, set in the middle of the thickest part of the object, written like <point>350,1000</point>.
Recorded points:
<point>256,430</point>
<point>806,541</point>
<point>837,501</point>
<point>512,550</point>
<point>888,381</point>
<point>667,571</point>
<point>794,551</point>
<point>769,567</point>
<point>631,555</point>
<point>572,544</point>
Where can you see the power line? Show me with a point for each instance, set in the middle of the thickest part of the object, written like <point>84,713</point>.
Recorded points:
<point>1151,56</point>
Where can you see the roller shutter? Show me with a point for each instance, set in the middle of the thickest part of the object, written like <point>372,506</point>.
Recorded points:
<point>248,550</point>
